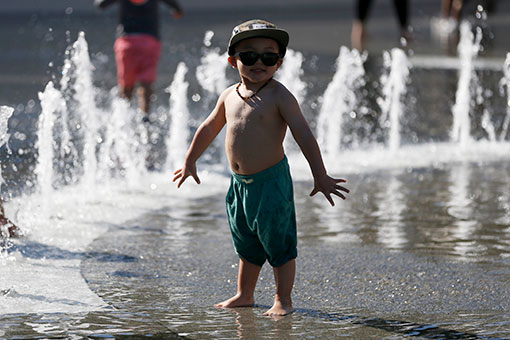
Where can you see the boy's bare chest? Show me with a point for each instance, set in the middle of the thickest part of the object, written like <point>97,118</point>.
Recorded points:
<point>252,114</point>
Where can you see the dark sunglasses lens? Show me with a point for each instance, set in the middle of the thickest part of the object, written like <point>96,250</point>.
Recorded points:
<point>248,58</point>
<point>269,59</point>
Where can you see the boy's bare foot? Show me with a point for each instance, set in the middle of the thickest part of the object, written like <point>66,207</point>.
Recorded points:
<point>280,308</point>
<point>236,301</point>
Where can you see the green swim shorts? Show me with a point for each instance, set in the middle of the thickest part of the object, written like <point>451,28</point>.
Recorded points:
<point>262,216</point>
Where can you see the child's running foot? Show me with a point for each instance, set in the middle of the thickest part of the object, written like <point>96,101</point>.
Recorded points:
<point>236,301</point>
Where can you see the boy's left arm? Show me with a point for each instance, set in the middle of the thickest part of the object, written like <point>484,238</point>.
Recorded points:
<point>290,111</point>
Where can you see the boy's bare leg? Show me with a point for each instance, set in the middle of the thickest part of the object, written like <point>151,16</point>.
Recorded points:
<point>284,278</point>
<point>246,282</point>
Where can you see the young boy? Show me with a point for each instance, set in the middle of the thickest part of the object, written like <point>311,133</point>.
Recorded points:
<point>260,203</point>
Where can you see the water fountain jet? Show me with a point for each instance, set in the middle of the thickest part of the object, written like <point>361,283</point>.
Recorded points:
<point>291,73</point>
<point>505,82</point>
<point>177,141</point>
<point>51,103</point>
<point>5,113</point>
<point>468,49</point>
<point>394,89</point>
<point>339,98</point>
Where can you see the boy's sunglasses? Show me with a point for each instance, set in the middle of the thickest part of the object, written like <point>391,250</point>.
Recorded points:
<point>250,58</point>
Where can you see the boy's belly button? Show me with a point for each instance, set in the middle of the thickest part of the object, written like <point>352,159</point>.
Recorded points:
<point>235,167</point>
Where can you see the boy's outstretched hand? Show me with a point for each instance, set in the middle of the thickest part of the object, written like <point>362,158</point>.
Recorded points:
<point>185,172</point>
<point>328,185</point>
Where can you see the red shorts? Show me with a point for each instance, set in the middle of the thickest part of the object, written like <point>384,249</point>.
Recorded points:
<point>137,59</point>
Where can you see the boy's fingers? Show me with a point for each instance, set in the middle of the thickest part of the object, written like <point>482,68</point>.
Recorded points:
<point>180,182</point>
<point>314,191</point>
<point>195,176</point>
<point>176,177</point>
<point>177,174</point>
<point>330,199</point>
<point>339,194</point>
<point>339,187</point>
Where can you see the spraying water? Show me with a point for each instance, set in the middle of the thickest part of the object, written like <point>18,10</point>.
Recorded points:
<point>95,145</point>
<point>505,82</point>
<point>211,75</point>
<point>468,49</point>
<point>211,71</point>
<point>394,88</point>
<point>51,103</point>
<point>339,98</point>
<point>291,74</point>
<point>68,150</point>
<point>121,151</point>
<point>488,126</point>
<point>5,114</point>
<point>87,106</point>
<point>177,142</point>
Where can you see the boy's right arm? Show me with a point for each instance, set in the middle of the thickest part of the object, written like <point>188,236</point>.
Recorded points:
<point>204,136</point>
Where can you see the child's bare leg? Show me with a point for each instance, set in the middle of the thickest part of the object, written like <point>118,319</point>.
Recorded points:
<point>246,282</point>
<point>358,35</point>
<point>144,97</point>
<point>284,277</point>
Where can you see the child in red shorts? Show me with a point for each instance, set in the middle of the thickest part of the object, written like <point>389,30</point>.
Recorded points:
<point>138,47</point>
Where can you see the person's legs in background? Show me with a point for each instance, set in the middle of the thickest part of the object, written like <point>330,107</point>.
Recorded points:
<point>358,25</point>
<point>402,9</point>
<point>149,53</point>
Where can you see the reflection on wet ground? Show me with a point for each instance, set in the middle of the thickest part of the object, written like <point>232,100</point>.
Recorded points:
<point>418,252</point>
<point>462,211</point>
